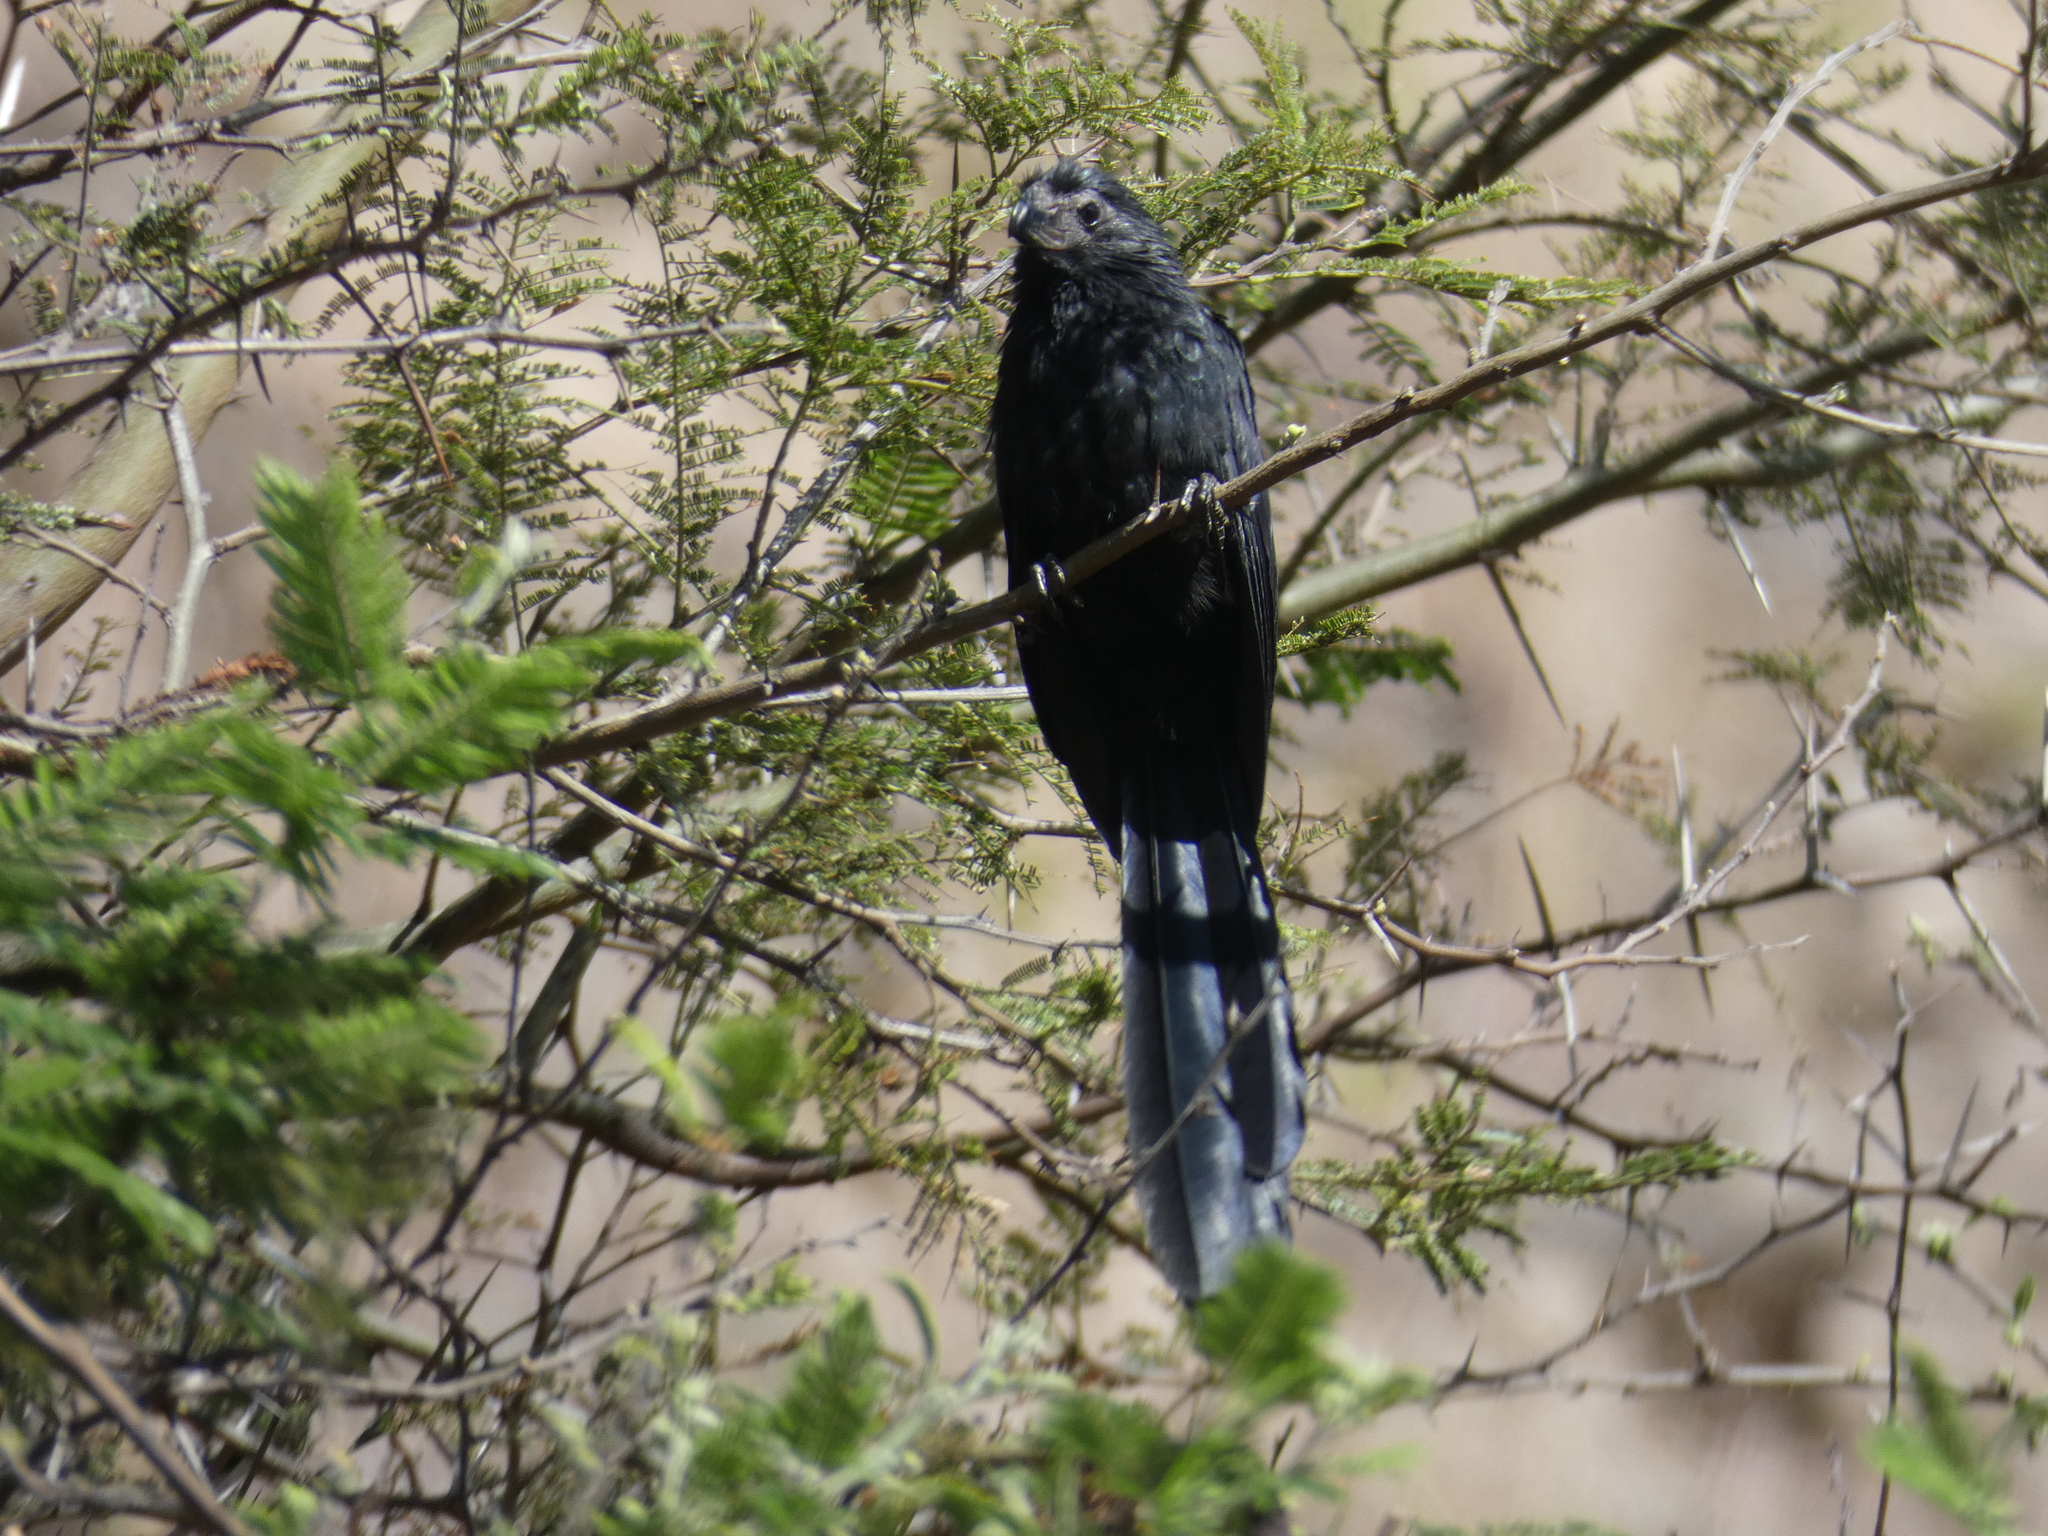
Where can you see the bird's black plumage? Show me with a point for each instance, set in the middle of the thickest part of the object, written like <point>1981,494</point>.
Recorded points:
<point>1153,683</point>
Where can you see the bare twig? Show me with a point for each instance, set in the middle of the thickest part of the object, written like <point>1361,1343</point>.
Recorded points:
<point>1718,230</point>
<point>1902,431</point>
<point>1134,1169</point>
<point>1511,958</point>
<point>829,481</point>
<point>61,355</point>
<point>49,540</point>
<point>1710,884</point>
<point>67,1349</point>
<point>2021,1006</point>
<point>199,551</point>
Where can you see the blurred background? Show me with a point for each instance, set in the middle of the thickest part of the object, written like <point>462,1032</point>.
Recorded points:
<point>1631,613</point>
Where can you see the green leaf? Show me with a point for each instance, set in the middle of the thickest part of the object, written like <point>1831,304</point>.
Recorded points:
<point>1125,1443</point>
<point>53,825</point>
<point>470,715</point>
<point>1360,623</point>
<point>1462,1177</point>
<point>1267,1331</point>
<point>835,1394</point>
<point>756,1075</point>
<point>1940,1457</point>
<point>1342,656</point>
<point>162,1218</point>
<point>611,650</point>
<point>1045,85</point>
<point>681,1106</point>
<point>904,492</point>
<point>339,608</point>
<point>314,805</point>
<point>291,1511</point>
<point>927,1319</point>
<point>492,568</point>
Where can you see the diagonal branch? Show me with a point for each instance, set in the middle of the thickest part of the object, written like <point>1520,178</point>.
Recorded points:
<point>638,1134</point>
<point>67,1348</point>
<point>1697,457</point>
<point>1639,318</point>
<point>1491,534</point>
<point>1327,1031</point>
<point>1513,138</point>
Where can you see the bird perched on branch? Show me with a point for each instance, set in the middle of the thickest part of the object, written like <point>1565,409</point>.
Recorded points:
<point>1153,683</point>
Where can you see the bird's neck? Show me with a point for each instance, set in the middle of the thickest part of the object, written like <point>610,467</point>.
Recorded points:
<point>1135,288</point>
<point>1082,306</point>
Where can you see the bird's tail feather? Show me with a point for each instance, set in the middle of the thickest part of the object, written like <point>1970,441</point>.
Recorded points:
<point>1201,959</point>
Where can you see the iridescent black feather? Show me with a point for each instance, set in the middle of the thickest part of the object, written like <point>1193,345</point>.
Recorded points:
<point>1153,683</point>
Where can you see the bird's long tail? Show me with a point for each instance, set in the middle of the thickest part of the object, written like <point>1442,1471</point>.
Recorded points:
<point>1201,961</point>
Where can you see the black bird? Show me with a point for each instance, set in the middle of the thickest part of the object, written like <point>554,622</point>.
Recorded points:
<point>1153,683</point>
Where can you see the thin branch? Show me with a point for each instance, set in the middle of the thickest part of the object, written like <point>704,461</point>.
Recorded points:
<point>1947,432</point>
<point>830,480</point>
<point>1510,958</point>
<point>199,551</point>
<point>1703,894</point>
<point>1695,457</point>
<point>885,925</point>
<point>1198,1102</point>
<point>1718,230</point>
<point>1497,531</point>
<point>687,708</point>
<point>1003,693</point>
<point>1328,1030</point>
<point>1751,1378</point>
<point>49,540</point>
<point>61,354</point>
<point>67,1348</point>
<point>638,1134</point>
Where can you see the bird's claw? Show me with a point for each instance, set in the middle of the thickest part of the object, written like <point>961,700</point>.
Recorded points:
<point>1049,577</point>
<point>1202,494</point>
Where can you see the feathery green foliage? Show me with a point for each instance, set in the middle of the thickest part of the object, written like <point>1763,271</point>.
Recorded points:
<point>338,610</point>
<point>860,1441</point>
<point>1460,1177</point>
<point>669,362</point>
<point>1940,1455</point>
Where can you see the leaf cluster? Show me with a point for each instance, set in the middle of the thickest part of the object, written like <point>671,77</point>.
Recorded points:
<point>860,1440</point>
<point>1459,1178</point>
<point>671,360</point>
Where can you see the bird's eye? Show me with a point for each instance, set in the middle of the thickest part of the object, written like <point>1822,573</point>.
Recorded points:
<point>1090,214</point>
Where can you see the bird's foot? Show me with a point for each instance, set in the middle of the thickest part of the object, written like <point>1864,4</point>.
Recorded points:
<point>1050,578</point>
<point>1201,499</point>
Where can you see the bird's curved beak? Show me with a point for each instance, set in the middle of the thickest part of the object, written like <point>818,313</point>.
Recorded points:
<point>1032,222</point>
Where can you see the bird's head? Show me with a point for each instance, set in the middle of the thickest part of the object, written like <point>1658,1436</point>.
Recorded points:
<point>1076,217</point>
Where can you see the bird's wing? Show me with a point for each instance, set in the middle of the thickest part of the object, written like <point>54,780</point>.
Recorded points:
<point>1253,569</point>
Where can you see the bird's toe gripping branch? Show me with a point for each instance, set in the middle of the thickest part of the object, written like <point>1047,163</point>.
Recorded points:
<point>1203,496</point>
<point>1050,578</point>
